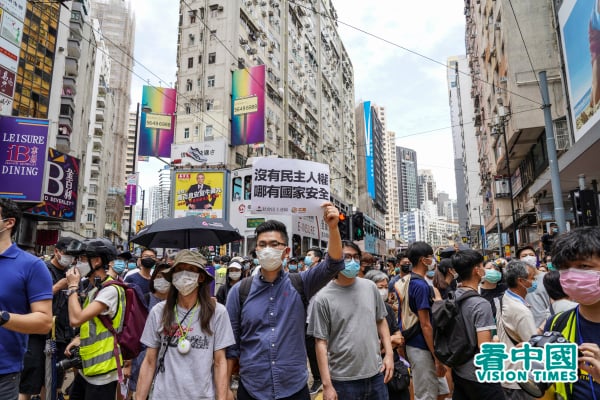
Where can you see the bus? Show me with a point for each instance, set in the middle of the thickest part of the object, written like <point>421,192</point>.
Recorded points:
<point>303,232</point>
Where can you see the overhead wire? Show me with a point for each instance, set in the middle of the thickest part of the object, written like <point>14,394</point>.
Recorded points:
<point>524,44</point>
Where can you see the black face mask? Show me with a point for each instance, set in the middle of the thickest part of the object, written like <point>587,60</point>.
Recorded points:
<point>148,262</point>
<point>405,268</point>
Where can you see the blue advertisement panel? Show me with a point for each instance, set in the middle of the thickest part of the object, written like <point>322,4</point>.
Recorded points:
<point>369,150</point>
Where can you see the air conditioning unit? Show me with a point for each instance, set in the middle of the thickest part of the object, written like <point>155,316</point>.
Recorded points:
<point>503,79</point>
<point>497,26</point>
<point>561,135</point>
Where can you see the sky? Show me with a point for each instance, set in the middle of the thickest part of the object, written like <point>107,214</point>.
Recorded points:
<point>388,72</point>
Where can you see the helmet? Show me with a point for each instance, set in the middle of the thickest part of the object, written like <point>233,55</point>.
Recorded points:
<point>75,248</point>
<point>102,248</point>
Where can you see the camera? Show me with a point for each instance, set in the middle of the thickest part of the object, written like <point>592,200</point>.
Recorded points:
<point>537,389</point>
<point>72,362</point>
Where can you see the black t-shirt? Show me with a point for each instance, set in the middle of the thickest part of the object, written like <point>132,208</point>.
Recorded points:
<point>491,294</point>
<point>60,306</point>
<point>547,240</point>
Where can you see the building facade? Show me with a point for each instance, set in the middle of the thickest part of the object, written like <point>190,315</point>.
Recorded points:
<point>408,192</point>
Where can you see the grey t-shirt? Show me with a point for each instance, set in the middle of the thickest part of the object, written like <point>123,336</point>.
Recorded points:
<point>187,376</point>
<point>539,300</point>
<point>346,316</point>
<point>477,313</point>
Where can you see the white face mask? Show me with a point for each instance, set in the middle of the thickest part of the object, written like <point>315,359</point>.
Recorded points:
<point>65,260</point>
<point>185,281</point>
<point>383,292</point>
<point>529,260</point>
<point>83,267</point>
<point>235,275</point>
<point>161,285</point>
<point>270,258</point>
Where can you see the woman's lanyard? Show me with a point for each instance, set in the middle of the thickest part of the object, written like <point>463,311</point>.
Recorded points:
<point>190,322</point>
<point>580,341</point>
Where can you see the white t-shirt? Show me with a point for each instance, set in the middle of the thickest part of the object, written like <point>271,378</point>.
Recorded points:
<point>190,375</point>
<point>110,297</point>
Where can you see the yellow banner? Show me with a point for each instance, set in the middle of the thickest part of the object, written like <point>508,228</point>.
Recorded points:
<point>245,105</point>
<point>199,193</point>
<point>158,121</point>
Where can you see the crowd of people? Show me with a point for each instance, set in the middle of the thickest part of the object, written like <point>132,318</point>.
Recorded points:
<point>267,325</point>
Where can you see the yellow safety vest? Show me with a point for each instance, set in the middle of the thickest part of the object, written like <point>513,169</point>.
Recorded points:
<point>97,343</point>
<point>564,391</point>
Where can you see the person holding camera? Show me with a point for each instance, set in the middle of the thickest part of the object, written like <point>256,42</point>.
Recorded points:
<point>98,376</point>
<point>576,255</point>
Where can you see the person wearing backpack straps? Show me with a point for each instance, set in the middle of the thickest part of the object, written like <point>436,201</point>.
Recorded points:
<point>479,323</point>
<point>186,337</point>
<point>99,376</point>
<point>576,254</point>
<point>269,333</point>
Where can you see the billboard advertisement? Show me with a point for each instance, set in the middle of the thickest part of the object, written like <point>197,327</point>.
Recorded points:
<point>580,26</point>
<point>197,154</point>
<point>12,15</point>
<point>248,106</point>
<point>60,196</point>
<point>199,193</point>
<point>23,149</point>
<point>131,189</point>
<point>157,121</point>
<point>370,164</point>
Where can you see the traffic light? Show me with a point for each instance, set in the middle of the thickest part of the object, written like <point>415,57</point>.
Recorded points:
<point>584,207</point>
<point>139,224</point>
<point>344,227</point>
<point>358,226</point>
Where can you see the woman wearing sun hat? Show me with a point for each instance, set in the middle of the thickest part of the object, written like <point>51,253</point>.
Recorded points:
<point>190,330</point>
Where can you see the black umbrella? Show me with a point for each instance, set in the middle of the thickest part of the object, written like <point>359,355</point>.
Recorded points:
<point>186,232</point>
<point>449,251</point>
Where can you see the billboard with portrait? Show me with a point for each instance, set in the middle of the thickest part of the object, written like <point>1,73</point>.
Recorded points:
<point>248,106</point>
<point>199,192</point>
<point>580,27</point>
<point>157,121</point>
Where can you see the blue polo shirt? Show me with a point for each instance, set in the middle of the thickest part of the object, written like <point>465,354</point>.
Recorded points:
<point>270,332</point>
<point>25,279</point>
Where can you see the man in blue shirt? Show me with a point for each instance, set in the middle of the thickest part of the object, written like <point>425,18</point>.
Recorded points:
<point>270,331</point>
<point>25,300</point>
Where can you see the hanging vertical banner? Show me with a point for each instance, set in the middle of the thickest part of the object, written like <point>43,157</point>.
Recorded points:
<point>248,106</point>
<point>23,150</point>
<point>60,196</point>
<point>131,190</point>
<point>370,164</point>
<point>157,121</point>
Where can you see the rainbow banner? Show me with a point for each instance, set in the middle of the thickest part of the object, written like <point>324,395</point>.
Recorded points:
<point>157,122</point>
<point>248,106</point>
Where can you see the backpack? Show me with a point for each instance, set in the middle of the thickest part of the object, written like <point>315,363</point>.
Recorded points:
<point>134,319</point>
<point>409,320</point>
<point>451,342</point>
<point>295,278</point>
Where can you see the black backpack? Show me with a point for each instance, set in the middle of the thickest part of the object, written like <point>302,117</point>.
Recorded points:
<point>451,342</point>
<point>295,278</point>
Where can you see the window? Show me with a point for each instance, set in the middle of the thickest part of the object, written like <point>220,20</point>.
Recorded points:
<point>92,203</point>
<point>91,217</point>
<point>192,37</point>
<point>192,16</point>
<point>247,187</point>
<point>201,12</point>
<point>213,34</point>
<point>196,130</point>
<point>212,58</point>
<point>188,85</point>
<point>188,108</point>
<point>208,133</point>
<point>237,188</point>
<point>186,133</point>
<point>209,104</point>
<point>191,62</point>
<point>200,58</point>
<point>211,81</point>
<point>89,233</point>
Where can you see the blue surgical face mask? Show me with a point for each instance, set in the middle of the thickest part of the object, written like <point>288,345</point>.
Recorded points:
<point>131,265</point>
<point>492,276</point>
<point>550,266</point>
<point>119,266</point>
<point>533,287</point>
<point>307,261</point>
<point>293,267</point>
<point>430,274</point>
<point>284,263</point>
<point>255,261</point>
<point>351,269</point>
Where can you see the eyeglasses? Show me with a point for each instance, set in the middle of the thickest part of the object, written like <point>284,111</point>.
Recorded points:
<point>273,244</point>
<point>348,257</point>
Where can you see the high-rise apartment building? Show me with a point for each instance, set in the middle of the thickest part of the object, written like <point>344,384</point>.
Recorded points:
<point>427,187</point>
<point>308,90</point>
<point>408,191</point>
<point>392,217</point>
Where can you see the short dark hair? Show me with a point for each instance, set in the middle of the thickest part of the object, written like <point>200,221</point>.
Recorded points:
<point>522,249</point>
<point>579,244</point>
<point>514,270</point>
<point>465,261</point>
<point>400,255</point>
<point>151,250</point>
<point>10,209</point>
<point>272,226</point>
<point>417,250</point>
<point>348,243</point>
<point>553,287</point>
<point>317,252</point>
